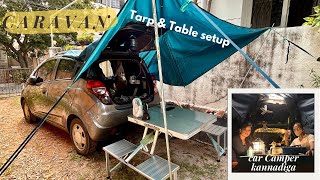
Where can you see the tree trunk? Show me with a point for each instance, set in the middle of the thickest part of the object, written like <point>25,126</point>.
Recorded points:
<point>26,59</point>
<point>20,54</point>
<point>22,61</point>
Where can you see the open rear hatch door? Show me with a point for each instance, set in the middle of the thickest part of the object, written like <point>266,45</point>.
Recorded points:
<point>134,37</point>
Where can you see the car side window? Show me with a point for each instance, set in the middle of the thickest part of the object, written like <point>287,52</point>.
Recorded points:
<point>46,70</point>
<point>66,69</point>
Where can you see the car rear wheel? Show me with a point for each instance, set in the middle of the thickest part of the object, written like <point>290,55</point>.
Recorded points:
<point>84,145</point>
<point>28,116</point>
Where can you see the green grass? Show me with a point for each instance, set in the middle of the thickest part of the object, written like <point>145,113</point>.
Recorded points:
<point>76,157</point>
<point>193,171</point>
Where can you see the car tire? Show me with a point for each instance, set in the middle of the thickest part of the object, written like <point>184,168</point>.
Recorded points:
<point>28,116</point>
<point>80,138</point>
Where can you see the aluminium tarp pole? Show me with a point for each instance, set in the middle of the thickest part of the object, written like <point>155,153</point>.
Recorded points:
<point>29,137</point>
<point>51,33</point>
<point>156,33</point>
<point>255,58</point>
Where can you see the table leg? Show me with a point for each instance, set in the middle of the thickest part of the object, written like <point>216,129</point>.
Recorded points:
<point>175,175</point>
<point>219,154</point>
<point>134,153</point>
<point>145,132</point>
<point>108,165</point>
<point>145,141</point>
<point>217,146</point>
<point>145,148</point>
<point>154,142</point>
<point>224,141</point>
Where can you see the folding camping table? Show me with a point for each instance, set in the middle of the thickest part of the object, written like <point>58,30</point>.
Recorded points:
<point>182,123</point>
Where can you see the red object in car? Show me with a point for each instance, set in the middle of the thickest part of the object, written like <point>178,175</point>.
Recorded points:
<point>234,164</point>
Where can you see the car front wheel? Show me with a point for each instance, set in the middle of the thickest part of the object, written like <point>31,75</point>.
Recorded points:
<point>84,145</point>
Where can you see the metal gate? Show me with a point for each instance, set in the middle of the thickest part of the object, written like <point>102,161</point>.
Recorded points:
<point>12,81</point>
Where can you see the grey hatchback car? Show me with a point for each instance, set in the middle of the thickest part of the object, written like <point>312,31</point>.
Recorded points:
<point>96,104</point>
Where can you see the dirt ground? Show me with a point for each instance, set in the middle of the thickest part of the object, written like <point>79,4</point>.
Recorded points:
<point>50,154</point>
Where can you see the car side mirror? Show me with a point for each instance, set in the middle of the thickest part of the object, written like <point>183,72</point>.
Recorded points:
<point>31,80</point>
<point>39,79</point>
<point>34,80</point>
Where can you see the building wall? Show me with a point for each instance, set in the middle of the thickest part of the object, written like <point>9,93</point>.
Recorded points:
<point>262,13</point>
<point>3,59</point>
<point>112,3</point>
<point>210,90</point>
<point>228,10</point>
<point>12,62</point>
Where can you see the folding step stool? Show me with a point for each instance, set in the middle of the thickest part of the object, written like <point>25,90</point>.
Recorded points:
<point>216,130</point>
<point>155,168</point>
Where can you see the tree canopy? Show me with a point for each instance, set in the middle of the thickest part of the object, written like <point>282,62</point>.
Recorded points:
<point>313,20</point>
<point>34,43</point>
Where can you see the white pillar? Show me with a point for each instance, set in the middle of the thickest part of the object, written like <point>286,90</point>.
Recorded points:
<point>53,51</point>
<point>246,14</point>
<point>203,4</point>
<point>285,13</point>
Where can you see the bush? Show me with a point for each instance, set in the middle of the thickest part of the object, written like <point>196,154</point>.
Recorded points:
<point>69,47</point>
<point>85,38</point>
<point>313,20</point>
<point>18,76</point>
<point>315,79</point>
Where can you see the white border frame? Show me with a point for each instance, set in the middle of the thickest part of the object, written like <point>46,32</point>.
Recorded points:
<point>276,175</point>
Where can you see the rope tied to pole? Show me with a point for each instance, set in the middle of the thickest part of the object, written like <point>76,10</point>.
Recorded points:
<point>296,45</point>
<point>288,51</point>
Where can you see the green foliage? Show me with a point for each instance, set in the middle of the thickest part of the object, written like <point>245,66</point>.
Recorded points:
<point>17,76</point>
<point>315,79</point>
<point>64,39</point>
<point>40,42</point>
<point>85,38</point>
<point>20,76</point>
<point>69,47</point>
<point>313,20</point>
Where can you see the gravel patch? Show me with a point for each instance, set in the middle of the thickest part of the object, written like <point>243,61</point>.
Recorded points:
<point>50,153</point>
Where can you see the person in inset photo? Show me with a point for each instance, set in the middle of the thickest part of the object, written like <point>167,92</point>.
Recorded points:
<point>303,139</point>
<point>242,141</point>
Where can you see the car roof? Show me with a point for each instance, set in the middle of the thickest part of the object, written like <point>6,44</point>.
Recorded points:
<point>73,54</point>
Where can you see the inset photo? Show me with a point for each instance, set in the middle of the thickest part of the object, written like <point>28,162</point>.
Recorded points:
<point>272,131</point>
